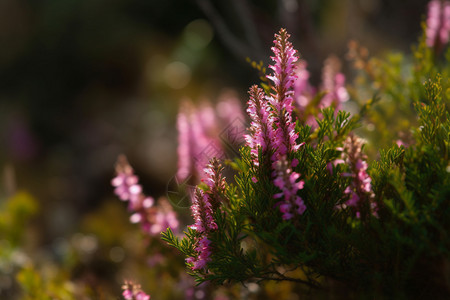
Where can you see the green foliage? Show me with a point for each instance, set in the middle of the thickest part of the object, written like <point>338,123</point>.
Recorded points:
<point>35,286</point>
<point>14,214</point>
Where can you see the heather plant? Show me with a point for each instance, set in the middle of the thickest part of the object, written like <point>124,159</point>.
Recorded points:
<point>307,206</point>
<point>327,199</point>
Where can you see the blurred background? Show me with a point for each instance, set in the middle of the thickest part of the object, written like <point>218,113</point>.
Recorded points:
<point>82,81</point>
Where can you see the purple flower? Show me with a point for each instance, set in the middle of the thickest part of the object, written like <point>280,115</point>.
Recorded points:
<point>288,182</point>
<point>359,191</point>
<point>438,24</point>
<point>261,125</point>
<point>283,78</point>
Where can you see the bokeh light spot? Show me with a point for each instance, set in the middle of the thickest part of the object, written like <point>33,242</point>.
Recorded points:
<point>177,75</point>
<point>117,254</point>
<point>198,34</point>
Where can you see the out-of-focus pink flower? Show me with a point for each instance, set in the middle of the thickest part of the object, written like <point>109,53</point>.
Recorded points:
<point>153,219</point>
<point>333,84</point>
<point>198,139</point>
<point>288,182</point>
<point>160,219</point>
<point>400,143</point>
<point>133,291</point>
<point>126,186</point>
<point>231,119</point>
<point>332,87</point>
<point>438,24</point>
<point>303,91</point>
<point>185,142</point>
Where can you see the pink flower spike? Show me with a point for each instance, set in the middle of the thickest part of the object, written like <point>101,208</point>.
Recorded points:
<point>283,78</point>
<point>216,183</point>
<point>204,253</point>
<point>261,131</point>
<point>289,184</point>
<point>359,192</point>
<point>202,212</point>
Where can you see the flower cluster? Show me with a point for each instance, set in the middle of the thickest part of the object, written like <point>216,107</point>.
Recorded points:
<point>359,191</point>
<point>438,24</point>
<point>133,291</point>
<point>153,219</point>
<point>287,181</point>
